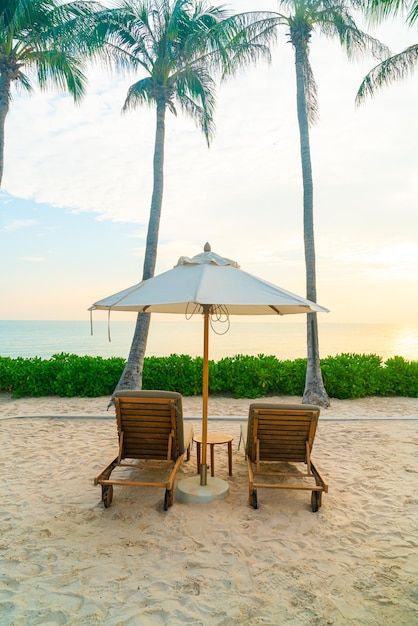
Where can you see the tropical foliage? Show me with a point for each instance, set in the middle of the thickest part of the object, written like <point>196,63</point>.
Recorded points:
<point>241,376</point>
<point>41,42</point>
<point>397,66</point>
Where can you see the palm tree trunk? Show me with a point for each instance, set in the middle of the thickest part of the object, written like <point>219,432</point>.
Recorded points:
<point>132,374</point>
<point>314,392</point>
<point>4,108</point>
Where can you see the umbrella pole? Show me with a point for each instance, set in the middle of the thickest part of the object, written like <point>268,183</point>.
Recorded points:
<point>205,395</point>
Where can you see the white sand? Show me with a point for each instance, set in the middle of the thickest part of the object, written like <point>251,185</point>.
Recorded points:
<point>67,560</point>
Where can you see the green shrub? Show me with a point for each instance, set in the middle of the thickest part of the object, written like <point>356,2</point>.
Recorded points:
<point>399,378</point>
<point>255,376</point>
<point>179,373</point>
<point>292,377</point>
<point>62,375</point>
<point>7,367</point>
<point>351,375</point>
<point>31,377</point>
<point>244,376</point>
<point>345,375</point>
<point>86,376</point>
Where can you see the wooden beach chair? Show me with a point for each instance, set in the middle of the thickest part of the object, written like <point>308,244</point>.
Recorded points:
<point>277,434</point>
<point>150,428</point>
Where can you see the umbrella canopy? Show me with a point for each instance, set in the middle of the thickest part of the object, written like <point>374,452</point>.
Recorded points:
<point>207,280</point>
<point>209,284</point>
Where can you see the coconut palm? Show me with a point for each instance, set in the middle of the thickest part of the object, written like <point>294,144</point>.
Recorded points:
<point>399,65</point>
<point>178,46</point>
<point>38,44</point>
<point>303,18</point>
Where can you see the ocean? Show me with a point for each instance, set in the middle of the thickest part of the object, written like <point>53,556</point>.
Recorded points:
<point>283,339</point>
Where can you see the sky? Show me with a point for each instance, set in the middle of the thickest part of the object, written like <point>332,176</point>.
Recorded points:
<point>76,192</point>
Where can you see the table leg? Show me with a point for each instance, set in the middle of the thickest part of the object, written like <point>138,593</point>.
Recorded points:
<point>198,456</point>
<point>212,459</point>
<point>230,457</point>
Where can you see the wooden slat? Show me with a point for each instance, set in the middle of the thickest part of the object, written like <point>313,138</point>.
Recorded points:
<point>147,429</point>
<point>282,434</point>
<point>146,423</point>
<point>286,486</point>
<point>143,430</point>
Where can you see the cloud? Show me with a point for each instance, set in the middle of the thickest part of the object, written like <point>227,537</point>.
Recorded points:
<point>19,224</point>
<point>92,167</point>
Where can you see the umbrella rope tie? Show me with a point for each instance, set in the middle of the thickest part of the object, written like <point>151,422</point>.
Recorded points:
<point>218,313</point>
<point>108,326</point>
<point>196,309</point>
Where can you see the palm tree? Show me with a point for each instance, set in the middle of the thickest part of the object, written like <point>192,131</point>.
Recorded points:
<point>331,18</point>
<point>397,66</point>
<point>179,45</point>
<point>40,37</point>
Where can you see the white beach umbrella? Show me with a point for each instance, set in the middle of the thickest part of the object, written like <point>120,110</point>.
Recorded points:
<point>213,286</point>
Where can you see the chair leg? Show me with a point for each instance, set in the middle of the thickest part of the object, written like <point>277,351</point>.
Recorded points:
<point>251,489</point>
<point>212,460</point>
<point>315,500</point>
<point>230,458</point>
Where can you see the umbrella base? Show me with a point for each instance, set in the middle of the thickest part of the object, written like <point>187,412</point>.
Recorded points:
<point>190,490</point>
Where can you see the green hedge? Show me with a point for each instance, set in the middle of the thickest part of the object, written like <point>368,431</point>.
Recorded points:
<point>345,376</point>
<point>62,375</point>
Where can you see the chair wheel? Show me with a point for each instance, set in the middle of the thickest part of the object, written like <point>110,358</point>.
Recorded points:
<point>255,502</point>
<point>166,500</point>
<point>315,500</point>
<point>107,495</point>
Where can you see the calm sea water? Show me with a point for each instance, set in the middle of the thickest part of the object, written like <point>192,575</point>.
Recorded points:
<point>283,339</point>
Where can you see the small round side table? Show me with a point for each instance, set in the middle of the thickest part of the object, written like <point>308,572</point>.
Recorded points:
<point>213,440</point>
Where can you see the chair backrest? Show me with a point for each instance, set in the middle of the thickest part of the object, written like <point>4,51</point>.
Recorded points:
<point>282,431</point>
<point>146,419</point>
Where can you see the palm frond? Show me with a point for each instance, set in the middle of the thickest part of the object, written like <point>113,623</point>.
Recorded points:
<point>248,37</point>
<point>336,21</point>
<point>23,84</point>
<point>378,10</point>
<point>394,68</point>
<point>195,91</point>
<point>17,15</point>
<point>412,16</point>
<point>140,93</point>
<point>42,36</point>
<point>57,69</point>
<point>311,94</point>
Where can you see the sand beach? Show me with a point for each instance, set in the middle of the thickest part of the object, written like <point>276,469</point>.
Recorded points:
<point>67,560</point>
